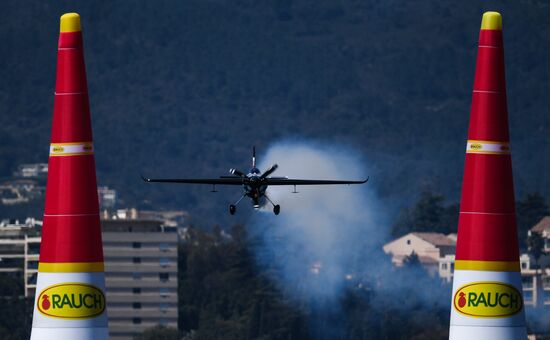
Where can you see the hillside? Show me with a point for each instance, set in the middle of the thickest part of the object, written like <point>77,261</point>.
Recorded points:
<point>185,88</point>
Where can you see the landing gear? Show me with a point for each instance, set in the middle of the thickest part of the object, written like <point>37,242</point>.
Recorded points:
<point>276,207</point>
<point>233,207</point>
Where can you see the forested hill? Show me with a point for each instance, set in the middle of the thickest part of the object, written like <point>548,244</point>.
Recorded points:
<point>185,88</point>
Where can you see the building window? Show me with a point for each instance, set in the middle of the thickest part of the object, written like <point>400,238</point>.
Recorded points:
<point>136,290</point>
<point>164,277</point>
<point>528,296</point>
<point>408,241</point>
<point>136,321</point>
<point>164,262</point>
<point>164,247</point>
<point>523,265</point>
<point>164,292</point>
<point>137,259</point>
<point>136,245</point>
<point>136,305</point>
<point>136,276</point>
<point>443,266</point>
<point>452,267</point>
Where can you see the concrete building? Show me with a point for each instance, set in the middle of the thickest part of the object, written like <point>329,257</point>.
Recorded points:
<point>447,267</point>
<point>536,280</point>
<point>107,197</point>
<point>429,247</point>
<point>19,249</point>
<point>141,267</point>
<point>141,273</point>
<point>32,170</point>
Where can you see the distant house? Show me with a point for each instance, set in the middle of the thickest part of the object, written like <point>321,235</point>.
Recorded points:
<point>543,227</point>
<point>430,248</point>
<point>32,170</point>
<point>536,282</point>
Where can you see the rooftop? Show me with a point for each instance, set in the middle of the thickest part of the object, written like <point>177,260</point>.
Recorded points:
<point>543,225</point>
<point>437,239</point>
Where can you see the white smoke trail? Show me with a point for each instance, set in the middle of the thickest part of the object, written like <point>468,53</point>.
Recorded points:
<point>322,237</point>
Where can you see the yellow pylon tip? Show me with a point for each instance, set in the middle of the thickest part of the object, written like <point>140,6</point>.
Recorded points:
<point>491,21</point>
<point>69,22</point>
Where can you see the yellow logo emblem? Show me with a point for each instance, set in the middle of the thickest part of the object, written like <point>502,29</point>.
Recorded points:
<point>488,300</point>
<point>476,146</point>
<point>71,300</point>
<point>58,149</point>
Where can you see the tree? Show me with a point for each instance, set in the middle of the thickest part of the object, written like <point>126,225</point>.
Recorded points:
<point>412,261</point>
<point>535,246</point>
<point>428,214</point>
<point>159,332</point>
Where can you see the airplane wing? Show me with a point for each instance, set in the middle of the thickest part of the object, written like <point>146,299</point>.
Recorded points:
<point>289,181</point>
<point>217,181</point>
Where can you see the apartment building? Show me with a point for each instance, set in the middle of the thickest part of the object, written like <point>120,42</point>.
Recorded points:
<point>141,273</point>
<point>19,249</point>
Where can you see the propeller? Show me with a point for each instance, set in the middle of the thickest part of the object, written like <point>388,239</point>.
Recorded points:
<point>269,171</point>
<point>237,173</point>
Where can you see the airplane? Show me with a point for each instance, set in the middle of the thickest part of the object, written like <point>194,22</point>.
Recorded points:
<point>255,183</point>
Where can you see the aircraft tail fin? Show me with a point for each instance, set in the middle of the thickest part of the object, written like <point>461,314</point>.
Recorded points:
<point>253,156</point>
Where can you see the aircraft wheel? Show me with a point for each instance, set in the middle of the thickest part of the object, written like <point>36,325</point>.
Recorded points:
<point>277,209</point>
<point>232,209</point>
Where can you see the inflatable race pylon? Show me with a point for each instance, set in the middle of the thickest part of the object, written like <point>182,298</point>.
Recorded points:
<point>487,294</point>
<point>70,289</point>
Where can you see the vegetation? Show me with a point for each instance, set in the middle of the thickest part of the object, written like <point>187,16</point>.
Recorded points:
<point>535,246</point>
<point>429,214</point>
<point>185,88</point>
<point>15,310</point>
<point>224,295</point>
<point>159,332</point>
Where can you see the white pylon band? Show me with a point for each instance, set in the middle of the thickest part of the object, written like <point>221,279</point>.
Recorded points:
<point>71,304</point>
<point>478,315</point>
<point>71,149</point>
<point>488,147</point>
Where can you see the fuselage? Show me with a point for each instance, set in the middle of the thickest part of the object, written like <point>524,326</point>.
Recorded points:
<point>255,188</point>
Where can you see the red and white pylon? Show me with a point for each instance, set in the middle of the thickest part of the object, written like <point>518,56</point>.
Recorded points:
<point>70,292</point>
<point>487,293</point>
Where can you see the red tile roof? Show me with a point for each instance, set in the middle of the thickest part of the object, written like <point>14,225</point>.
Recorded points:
<point>437,239</point>
<point>543,225</point>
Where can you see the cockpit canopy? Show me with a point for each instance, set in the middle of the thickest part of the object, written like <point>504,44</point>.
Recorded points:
<point>255,171</point>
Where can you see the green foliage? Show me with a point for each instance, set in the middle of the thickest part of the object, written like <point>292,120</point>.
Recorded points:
<point>535,246</point>
<point>412,261</point>
<point>159,332</point>
<point>224,295</point>
<point>184,88</point>
<point>15,310</point>
<point>429,214</point>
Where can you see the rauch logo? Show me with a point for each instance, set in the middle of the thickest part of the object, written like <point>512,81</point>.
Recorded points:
<point>71,301</point>
<point>488,300</point>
